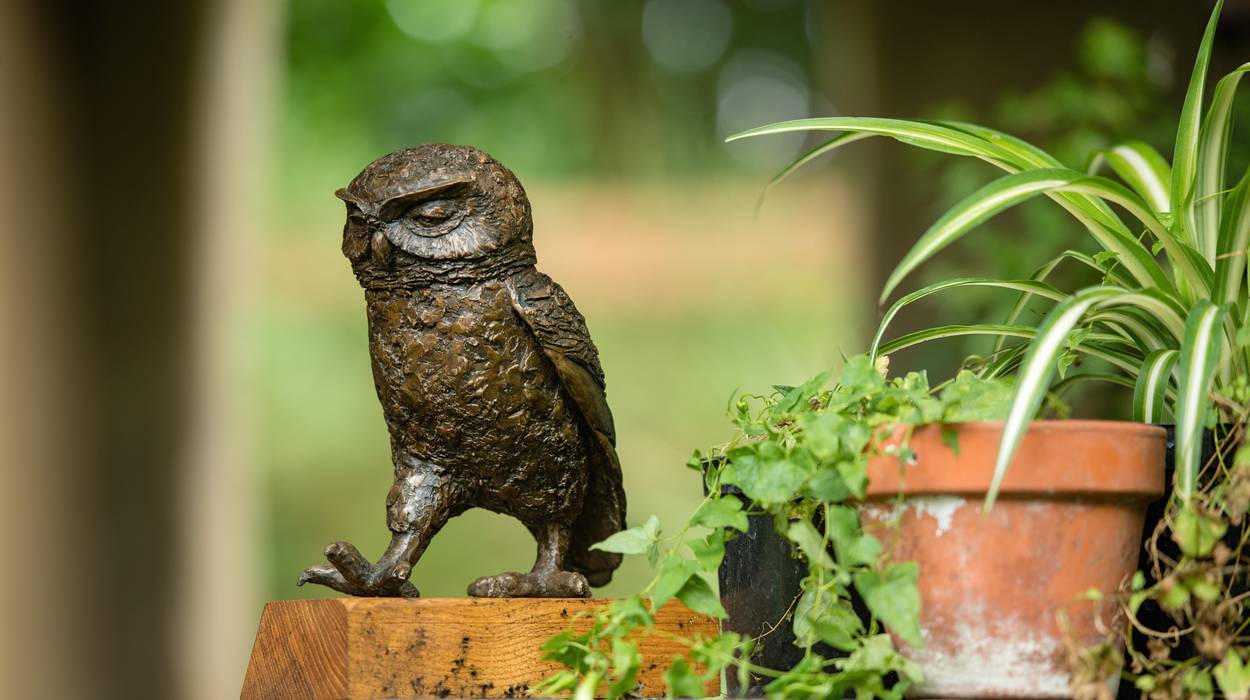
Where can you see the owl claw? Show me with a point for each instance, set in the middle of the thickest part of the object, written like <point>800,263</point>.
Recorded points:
<point>349,572</point>
<point>536,584</point>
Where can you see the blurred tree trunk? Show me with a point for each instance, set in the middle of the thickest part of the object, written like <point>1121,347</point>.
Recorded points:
<point>122,174</point>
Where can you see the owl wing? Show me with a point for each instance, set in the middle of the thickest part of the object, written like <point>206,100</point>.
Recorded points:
<point>561,331</point>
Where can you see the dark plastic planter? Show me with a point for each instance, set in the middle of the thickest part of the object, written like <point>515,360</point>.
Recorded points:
<point>1150,614</point>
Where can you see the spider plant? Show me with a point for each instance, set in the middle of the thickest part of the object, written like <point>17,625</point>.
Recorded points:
<point>1171,304</point>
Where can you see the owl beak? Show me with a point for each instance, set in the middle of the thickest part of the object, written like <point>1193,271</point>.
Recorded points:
<point>380,248</point>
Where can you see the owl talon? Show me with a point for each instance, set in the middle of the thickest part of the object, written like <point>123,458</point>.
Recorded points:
<point>553,584</point>
<point>349,572</point>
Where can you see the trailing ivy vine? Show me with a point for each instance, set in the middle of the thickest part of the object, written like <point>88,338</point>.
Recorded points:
<point>799,455</point>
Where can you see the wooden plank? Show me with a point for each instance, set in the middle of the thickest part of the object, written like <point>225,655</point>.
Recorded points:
<point>300,652</point>
<point>367,648</point>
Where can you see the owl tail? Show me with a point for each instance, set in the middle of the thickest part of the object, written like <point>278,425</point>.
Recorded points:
<point>602,515</point>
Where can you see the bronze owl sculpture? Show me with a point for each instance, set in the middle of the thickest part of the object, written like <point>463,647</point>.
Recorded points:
<point>490,385</point>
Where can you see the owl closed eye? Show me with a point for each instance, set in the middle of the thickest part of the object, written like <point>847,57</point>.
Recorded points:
<point>432,212</point>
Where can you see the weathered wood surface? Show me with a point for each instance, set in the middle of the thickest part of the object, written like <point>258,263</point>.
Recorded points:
<point>358,648</point>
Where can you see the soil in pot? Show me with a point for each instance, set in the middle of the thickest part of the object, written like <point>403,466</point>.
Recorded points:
<point>1068,519</point>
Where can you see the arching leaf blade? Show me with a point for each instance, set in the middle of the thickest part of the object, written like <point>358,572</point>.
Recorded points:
<point>1033,377</point>
<point>1150,389</point>
<point>1199,358</point>
<point>1185,158</point>
<point>1027,288</point>
<point>1212,160</point>
<point>1141,167</point>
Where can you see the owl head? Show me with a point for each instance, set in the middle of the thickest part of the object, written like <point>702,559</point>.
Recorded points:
<point>432,204</point>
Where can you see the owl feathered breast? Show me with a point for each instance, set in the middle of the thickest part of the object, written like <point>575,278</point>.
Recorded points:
<point>561,330</point>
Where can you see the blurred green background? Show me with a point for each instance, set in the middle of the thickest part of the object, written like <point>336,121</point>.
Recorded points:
<point>612,116</point>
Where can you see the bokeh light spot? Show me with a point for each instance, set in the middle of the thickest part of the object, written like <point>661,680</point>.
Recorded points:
<point>433,20</point>
<point>686,35</point>
<point>759,87</point>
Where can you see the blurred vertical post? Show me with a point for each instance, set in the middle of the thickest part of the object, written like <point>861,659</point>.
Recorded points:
<point>130,139</point>
<point>220,570</point>
<point>41,586</point>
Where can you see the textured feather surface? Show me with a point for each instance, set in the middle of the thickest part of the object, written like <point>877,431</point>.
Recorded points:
<point>561,331</point>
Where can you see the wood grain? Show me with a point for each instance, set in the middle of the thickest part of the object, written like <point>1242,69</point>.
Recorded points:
<point>366,648</point>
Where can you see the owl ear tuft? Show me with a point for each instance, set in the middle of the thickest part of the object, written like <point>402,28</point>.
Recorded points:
<point>343,194</point>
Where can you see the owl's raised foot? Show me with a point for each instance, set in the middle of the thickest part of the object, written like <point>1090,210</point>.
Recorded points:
<point>536,584</point>
<point>349,572</point>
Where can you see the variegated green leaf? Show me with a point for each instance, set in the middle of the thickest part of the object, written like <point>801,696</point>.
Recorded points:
<point>1096,343</point>
<point>1234,243</point>
<point>1212,159</point>
<point>1033,377</point>
<point>1013,189</point>
<point>1150,390</point>
<point>1072,380</point>
<point>1027,288</point>
<point>1003,151</point>
<point>1185,158</point>
<point>951,331</point>
<point>1131,327</point>
<point>1143,169</point>
<point>1110,276</point>
<point>917,133</point>
<point>1200,355</point>
<point>1159,306</point>
<point>824,148</point>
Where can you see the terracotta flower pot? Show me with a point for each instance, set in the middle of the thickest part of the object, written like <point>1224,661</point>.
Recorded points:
<point>1068,519</point>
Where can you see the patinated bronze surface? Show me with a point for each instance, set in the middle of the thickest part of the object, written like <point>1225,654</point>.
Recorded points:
<point>489,382</point>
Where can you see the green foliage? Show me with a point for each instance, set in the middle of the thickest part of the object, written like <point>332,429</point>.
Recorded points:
<point>1167,311</point>
<point>800,458</point>
<point>1116,90</point>
<point>1141,303</point>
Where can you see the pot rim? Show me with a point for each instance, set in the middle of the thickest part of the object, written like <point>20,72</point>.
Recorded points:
<point>1060,424</point>
<point>1085,459</point>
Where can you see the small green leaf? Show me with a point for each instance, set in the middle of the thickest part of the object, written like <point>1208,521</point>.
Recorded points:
<point>1233,676</point>
<point>826,485</point>
<point>674,573</point>
<point>1198,681</point>
<point>1203,590</point>
<point>812,544</point>
<point>853,547</point>
<point>721,512</point>
<point>950,438</point>
<point>765,477</point>
<point>832,621</point>
<point>587,688</point>
<point>1243,336</point>
<point>699,597</point>
<point>635,540</point>
<point>1175,596</point>
<point>854,476</point>
<point>894,599</point>
<point>681,681</point>
<point>877,656</point>
<point>1197,533</point>
<point>626,662</point>
<point>709,551</point>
